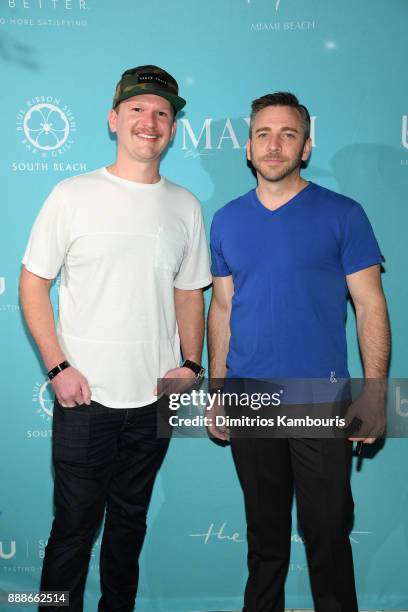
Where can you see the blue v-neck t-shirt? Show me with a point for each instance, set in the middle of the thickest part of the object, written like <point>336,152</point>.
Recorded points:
<point>290,293</point>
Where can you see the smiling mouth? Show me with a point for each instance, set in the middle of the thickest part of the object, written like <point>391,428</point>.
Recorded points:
<point>147,136</point>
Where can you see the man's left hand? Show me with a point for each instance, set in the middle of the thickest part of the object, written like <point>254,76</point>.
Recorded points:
<point>368,410</point>
<point>176,380</point>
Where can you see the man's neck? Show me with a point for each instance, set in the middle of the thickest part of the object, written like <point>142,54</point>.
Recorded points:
<point>138,173</point>
<point>273,195</point>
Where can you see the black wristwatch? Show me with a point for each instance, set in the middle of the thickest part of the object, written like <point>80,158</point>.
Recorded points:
<point>198,369</point>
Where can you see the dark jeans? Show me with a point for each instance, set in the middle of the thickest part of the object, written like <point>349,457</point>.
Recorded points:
<point>270,470</point>
<point>104,458</point>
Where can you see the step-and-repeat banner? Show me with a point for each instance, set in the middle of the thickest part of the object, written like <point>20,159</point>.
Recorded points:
<point>60,61</point>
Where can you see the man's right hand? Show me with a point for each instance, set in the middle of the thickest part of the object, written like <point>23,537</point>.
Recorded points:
<point>71,388</point>
<point>220,431</point>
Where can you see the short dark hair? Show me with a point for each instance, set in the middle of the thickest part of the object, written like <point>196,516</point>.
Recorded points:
<point>281,98</point>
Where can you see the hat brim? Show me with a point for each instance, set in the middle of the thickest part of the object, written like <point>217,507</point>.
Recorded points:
<point>176,101</point>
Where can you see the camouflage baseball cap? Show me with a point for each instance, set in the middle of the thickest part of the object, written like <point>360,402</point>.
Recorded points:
<point>148,80</point>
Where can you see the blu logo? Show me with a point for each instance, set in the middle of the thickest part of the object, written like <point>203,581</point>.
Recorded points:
<point>399,402</point>
<point>11,553</point>
<point>404,135</point>
<point>277,3</point>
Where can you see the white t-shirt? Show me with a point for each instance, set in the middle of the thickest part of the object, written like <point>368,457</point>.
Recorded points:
<point>122,247</point>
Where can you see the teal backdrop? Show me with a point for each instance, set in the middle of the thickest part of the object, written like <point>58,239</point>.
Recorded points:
<point>346,60</point>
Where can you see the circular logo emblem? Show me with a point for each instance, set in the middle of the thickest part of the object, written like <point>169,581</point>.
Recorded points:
<point>46,127</point>
<point>44,400</point>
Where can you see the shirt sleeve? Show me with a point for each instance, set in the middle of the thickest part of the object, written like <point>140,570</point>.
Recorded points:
<point>49,239</point>
<point>194,271</point>
<point>219,266</point>
<point>359,248</point>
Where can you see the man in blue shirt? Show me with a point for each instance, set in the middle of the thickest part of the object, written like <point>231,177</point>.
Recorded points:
<point>285,256</point>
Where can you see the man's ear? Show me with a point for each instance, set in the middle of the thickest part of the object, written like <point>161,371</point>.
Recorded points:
<point>248,149</point>
<point>307,149</point>
<point>112,119</point>
<point>173,130</point>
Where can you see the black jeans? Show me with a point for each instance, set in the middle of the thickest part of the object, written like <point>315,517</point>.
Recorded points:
<point>270,470</point>
<point>104,458</point>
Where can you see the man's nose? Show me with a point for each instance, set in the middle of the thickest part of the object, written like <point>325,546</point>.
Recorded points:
<point>150,118</point>
<point>274,142</point>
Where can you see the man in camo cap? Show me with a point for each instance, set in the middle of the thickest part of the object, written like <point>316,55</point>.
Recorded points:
<point>133,257</point>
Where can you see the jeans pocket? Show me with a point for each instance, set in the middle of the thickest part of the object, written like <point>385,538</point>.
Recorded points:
<point>71,428</point>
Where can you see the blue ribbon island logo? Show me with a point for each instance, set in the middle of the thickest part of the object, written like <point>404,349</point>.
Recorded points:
<point>46,126</point>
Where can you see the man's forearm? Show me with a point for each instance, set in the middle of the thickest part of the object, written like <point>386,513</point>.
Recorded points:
<point>374,338</point>
<point>218,340</point>
<point>39,316</point>
<point>190,321</point>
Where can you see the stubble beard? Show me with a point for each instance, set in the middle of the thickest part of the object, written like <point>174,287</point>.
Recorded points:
<point>274,175</point>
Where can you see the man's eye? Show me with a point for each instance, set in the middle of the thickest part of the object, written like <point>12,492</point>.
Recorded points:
<point>262,135</point>
<point>289,135</point>
<point>163,114</point>
<point>137,109</point>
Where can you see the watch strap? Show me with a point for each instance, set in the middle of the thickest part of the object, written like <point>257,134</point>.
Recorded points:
<point>195,367</point>
<point>59,368</point>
